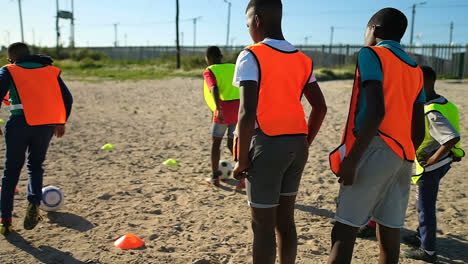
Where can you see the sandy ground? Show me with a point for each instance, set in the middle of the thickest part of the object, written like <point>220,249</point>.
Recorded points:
<point>182,220</point>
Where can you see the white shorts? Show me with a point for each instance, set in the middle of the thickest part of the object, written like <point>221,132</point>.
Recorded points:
<point>380,190</point>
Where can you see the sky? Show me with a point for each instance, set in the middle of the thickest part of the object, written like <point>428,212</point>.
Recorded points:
<point>151,22</point>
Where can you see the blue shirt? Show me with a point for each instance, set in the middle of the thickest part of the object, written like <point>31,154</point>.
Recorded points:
<point>370,70</point>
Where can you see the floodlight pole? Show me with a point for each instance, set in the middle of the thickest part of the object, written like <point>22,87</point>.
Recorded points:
<point>115,34</point>
<point>195,19</point>
<point>412,21</point>
<point>306,40</point>
<point>451,33</point>
<point>228,21</point>
<point>21,20</point>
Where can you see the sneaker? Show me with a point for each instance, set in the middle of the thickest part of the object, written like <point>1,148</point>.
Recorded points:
<point>6,228</point>
<point>366,232</point>
<point>241,185</point>
<point>412,240</point>
<point>32,217</point>
<point>420,254</point>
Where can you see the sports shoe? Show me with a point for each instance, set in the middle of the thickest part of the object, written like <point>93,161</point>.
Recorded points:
<point>420,254</point>
<point>241,185</point>
<point>32,217</point>
<point>6,228</point>
<point>413,240</point>
<point>366,232</point>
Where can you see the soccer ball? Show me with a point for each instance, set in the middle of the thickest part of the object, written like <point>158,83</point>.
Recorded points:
<point>226,168</point>
<point>52,199</point>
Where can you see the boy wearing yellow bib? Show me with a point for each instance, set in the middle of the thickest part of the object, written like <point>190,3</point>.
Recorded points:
<point>223,99</point>
<point>441,146</point>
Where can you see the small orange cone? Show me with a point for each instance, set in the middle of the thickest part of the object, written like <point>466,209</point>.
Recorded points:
<point>129,241</point>
<point>16,190</point>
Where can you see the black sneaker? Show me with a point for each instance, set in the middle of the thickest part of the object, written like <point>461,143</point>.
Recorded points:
<point>6,228</point>
<point>32,217</point>
<point>366,232</point>
<point>412,240</point>
<point>420,254</point>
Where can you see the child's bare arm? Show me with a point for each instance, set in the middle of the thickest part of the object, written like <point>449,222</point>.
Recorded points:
<point>441,152</point>
<point>314,95</point>
<point>417,125</point>
<point>373,117</point>
<point>217,100</point>
<point>246,124</point>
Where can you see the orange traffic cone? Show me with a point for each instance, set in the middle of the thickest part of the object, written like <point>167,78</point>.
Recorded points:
<point>16,190</point>
<point>129,241</point>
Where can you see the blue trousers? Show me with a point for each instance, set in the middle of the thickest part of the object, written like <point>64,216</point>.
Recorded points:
<point>20,139</point>
<point>428,188</point>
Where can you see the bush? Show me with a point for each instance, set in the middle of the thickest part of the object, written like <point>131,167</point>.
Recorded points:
<point>83,54</point>
<point>88,63</point>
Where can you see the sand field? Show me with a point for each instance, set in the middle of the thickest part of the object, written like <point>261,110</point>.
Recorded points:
<point>181,219</point>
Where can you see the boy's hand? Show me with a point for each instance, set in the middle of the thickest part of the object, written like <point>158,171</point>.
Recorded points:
<point>431,161</point>
<point>59,131</point>
<point>347,172</point>
<point>220,115</point>
<point>240,171</point>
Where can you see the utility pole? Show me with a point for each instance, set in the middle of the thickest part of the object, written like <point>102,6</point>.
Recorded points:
<point>57,29</point>
<point>306,40</point>
<point>34,37</point>
<point>228,21</point>
<point>412,21</point>
<point>332,32</point>
<point>115,35</point>
<point>7,37</point>
<point>195,19</point>
<point>125,37</point>
<point>451,33</point>
<point>182,39</point>
<point>177,34</point>
<point>21,20</point>
<point>72,26</point>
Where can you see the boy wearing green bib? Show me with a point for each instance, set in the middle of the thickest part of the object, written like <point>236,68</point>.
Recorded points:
<point>223,99</point>
<point>441,146</point>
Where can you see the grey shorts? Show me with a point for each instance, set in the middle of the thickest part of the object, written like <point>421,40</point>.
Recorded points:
<point>219,130</point>
<point>380,190</point>
<point>276,170</point>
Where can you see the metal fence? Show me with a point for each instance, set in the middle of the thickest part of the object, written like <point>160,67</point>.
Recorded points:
<point>451,61</point>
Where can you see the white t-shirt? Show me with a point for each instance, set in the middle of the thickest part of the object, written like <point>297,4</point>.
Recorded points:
<point>441,131</point>
<point>246,65</point>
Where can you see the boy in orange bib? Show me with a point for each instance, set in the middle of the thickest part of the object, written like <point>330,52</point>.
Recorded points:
<point>384,127</point>
<point>273,134</point>
<point>40,104</point>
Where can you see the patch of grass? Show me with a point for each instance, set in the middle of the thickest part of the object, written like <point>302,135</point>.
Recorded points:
<point>339,73</point>
<point>162,68</point>
<point>124,70</point>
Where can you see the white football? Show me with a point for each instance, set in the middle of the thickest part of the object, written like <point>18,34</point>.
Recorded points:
<point>52,199</point>
<point>226,168</point>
